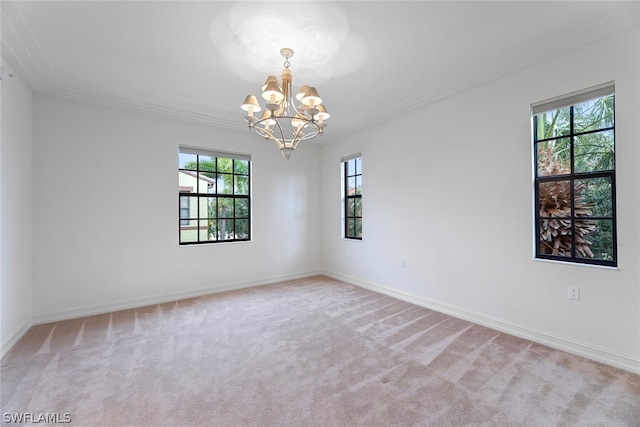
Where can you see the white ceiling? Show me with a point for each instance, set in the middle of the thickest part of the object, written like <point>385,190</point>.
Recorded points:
<point>369,60</point>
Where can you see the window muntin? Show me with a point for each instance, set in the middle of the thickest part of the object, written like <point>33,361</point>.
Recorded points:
<point>214,197</point>
<point>352,189</point>
<point>574,149</point>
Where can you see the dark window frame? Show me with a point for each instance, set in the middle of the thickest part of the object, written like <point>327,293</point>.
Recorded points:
<point>214,220</point>
<point>571,138</point>
<point>351,219</point>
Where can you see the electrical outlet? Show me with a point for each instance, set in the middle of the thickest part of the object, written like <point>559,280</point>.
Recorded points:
<point>574,293</point>
<point>403,263</point>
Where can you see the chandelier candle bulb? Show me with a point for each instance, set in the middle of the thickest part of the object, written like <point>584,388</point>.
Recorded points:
<point>311,97</point>
<point>284,121</point>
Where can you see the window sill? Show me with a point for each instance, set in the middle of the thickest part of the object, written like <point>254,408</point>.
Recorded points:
<point>578,264</point>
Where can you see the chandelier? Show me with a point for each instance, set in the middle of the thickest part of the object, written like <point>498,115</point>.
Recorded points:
<point>284,121</point>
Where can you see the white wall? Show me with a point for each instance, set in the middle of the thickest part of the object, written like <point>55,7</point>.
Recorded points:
<point>16,191</point>
<point>449,189</point>
<point>106,211</point>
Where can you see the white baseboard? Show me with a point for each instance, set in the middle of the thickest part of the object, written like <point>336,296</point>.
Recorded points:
<point>588,351</point>
<point>92,310</point>
<point>6,346</point>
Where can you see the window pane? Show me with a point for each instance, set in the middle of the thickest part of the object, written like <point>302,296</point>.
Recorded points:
<point>241,167</point>
<point>212,229</point>
<point>594,239</point>
<point>225,165</point>
<point>185,211</point>
<point>241,185</point>
<point>594,197</point>
<point>351,227</point>
<point>203,230</point>
<point>188,207</point>
<point>225,183</point>
<point>555,237</point>
<point>594,152</point>
<point>358,165</point>
<point>553,123</point>
<point>193,207</point>
<point>225,207</point>
<point>212,185</point>
<point>351,207</point>
<point>358,207</point>
<point>198,182</point>
<point>204,207</point>
<point>351,167</point>
<point>554,198</point>
<point>554,157</point>
<point>187,182</point>
<point>358,227</point>
<point>188,235</point>
<point>359,184</point>
<point>594,114</point>
<point>351,185</point>
<point>242,229</point>
<point>225,229</point>
<point>187,161</point>
<point>207,163</point>
<point>242,208</point>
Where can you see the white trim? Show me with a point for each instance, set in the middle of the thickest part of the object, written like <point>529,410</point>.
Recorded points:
<point>15,338</point>
<point>350,157</point>
<point>567,262</point>
<point>91,310</point>
<point>622,361</point>
<point>185,149</point>
<point>573,98</point>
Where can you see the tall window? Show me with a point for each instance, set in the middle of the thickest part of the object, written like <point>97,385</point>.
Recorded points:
<point>574,149</point>
<point>214,202</point>
<point>352,192</point>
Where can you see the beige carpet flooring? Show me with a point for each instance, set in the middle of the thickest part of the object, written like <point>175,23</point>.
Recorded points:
<point>310,352</point>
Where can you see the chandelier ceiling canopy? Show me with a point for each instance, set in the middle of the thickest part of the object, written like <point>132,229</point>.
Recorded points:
<point>287,119</point>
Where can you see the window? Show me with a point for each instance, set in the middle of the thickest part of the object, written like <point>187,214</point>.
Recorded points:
<point>574,149</point>
<point>352,193</point>
<point>184,210</point>
<point>214,202</point>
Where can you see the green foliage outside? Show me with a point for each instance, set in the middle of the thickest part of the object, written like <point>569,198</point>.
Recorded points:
<point>592,151</point>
